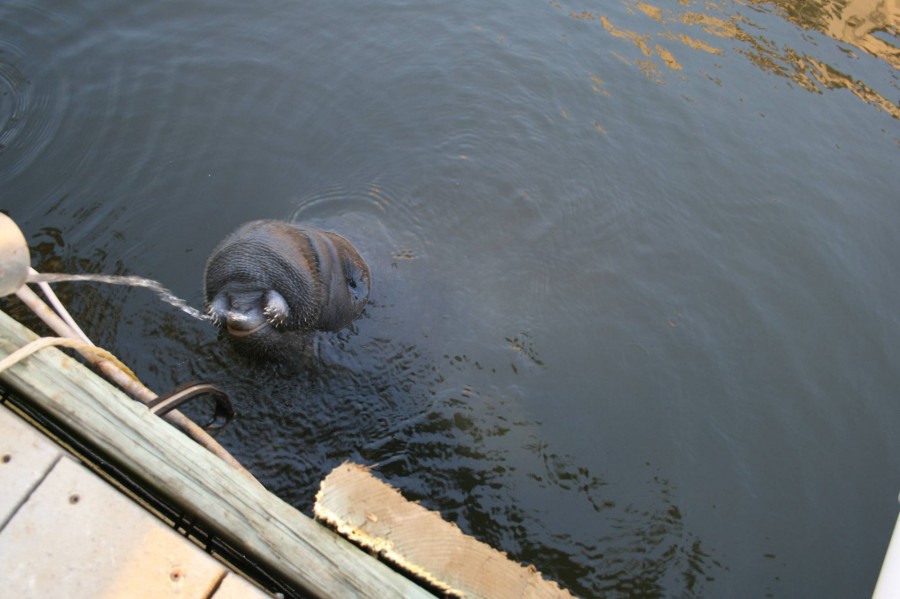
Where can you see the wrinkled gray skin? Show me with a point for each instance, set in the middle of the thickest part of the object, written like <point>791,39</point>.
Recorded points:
<point>271,284</point>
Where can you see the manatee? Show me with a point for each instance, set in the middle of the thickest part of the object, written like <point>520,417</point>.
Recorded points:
<point>270,285</point>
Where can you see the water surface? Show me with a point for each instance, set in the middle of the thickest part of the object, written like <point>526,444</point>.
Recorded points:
<point>633,315</point>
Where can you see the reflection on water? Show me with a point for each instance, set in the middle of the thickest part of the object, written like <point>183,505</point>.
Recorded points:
<point>854,22</point>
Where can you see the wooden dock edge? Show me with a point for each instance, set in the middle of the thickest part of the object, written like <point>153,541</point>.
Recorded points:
<point>302,552</point>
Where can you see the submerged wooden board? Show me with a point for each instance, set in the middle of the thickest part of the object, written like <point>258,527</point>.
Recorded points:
<point>301,551</point>
<point>375,515</point>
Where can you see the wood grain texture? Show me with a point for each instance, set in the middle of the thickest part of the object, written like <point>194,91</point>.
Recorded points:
<point>25,458</point>
<point>77,537</point>
<point>375,515</point>
<point>306,554</point>
<point>235,587</point>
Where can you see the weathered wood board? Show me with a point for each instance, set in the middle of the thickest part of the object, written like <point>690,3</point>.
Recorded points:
<point>77,537</point>
<point>303,552</point>
<point>375,515</point>
<point>235,587</point>
<point>25,458</point>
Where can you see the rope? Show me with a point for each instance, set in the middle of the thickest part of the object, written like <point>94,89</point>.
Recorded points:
<point>82,347</point>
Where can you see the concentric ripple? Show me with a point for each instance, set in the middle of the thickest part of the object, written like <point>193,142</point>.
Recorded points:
<point>12,99</point>
<point>377,214</point>
<point>29,117</point>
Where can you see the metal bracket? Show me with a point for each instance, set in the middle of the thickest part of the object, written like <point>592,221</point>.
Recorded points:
<point>184,393</point>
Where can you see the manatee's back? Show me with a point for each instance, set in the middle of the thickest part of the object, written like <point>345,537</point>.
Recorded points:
<point>344,276</point>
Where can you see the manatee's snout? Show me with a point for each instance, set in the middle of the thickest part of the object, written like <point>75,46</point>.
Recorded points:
<point>246,312</point>
<point>241,324</point>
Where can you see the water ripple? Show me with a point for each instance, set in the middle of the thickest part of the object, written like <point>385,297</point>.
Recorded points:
<point>11,100</point>
<point>30,114</point>
<point>378,215</point>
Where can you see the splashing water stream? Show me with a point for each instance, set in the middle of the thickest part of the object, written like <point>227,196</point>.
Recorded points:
<point>163,293</point>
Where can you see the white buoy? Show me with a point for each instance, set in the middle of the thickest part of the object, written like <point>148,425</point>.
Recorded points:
<point>888,585</point>
<point>14,257</point>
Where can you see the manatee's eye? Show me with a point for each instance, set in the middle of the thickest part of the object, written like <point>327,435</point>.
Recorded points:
<point>352,283</point>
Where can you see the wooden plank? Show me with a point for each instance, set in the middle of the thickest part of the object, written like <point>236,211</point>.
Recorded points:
<point>304,553</point>
<point>25,458</point>
<point>375,515</point>
<point>235,587</point>
<point>77,537</point>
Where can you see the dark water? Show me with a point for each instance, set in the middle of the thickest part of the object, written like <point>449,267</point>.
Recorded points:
<point>635,306</point>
